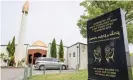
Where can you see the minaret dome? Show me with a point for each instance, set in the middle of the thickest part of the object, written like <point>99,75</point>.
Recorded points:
<point>26,7</point>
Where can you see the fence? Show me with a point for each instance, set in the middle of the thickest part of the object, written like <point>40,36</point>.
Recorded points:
<point>29,71</point>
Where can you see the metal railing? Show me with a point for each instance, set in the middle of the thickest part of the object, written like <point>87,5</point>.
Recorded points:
<point>28,71</point>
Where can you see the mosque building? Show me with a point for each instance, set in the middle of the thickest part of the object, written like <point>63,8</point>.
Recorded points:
<point>37,49</point>
<point>74,55</point>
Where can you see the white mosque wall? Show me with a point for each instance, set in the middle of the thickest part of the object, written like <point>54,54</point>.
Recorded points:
<point>73,53</point>
<point>37,47</point>
<point>65,55</point>
<point>83,56</point>
<point>80,58</point>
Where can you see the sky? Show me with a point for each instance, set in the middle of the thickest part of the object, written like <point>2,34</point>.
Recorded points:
<point>46,20</point>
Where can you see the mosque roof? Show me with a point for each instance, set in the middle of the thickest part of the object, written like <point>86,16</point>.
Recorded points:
<point>39,43</point>
<point>26,6</point>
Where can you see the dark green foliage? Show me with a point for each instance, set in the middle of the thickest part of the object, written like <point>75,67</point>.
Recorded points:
<point>61,51</point>
<point>3,57</point>
<point>131,54</point>
<point>53,49</point>
<point>11,51</point>
<point>97,8</point>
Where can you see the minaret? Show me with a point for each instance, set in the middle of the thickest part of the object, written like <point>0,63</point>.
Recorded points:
<point>21,38</point>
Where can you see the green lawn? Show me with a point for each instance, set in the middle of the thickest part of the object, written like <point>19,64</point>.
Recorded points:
<point>132,71</point>
<point>81,75</point>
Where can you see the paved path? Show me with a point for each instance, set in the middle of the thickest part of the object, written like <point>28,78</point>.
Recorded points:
<point>38,72</point>
<point>18,73</point>
<point>12,73</point>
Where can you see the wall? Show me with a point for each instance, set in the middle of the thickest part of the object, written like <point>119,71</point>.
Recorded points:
<point>83,56</point>
<point>73,61</point>
<point>65,55</point>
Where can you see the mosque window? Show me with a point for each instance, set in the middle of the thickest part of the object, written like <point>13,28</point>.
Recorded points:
<point>74,54</point>
<point>69,54</point>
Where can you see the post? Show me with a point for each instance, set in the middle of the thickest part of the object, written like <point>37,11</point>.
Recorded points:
<point>60,68</point>
<point>25,73</point>
<point>44,69</point>
<point>30,70</point>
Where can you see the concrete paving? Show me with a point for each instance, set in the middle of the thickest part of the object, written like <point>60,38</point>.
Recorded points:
<point>12,73</point>
<point>18,73</point>
<point>38,72</point>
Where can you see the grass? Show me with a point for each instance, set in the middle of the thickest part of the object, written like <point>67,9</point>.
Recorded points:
<point>132,70</point>
<point>81,75</point>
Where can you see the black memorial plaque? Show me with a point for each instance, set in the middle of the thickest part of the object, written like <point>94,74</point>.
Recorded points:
<point>108,47</point>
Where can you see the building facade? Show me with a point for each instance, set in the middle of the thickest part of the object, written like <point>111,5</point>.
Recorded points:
<point>75,55</point>
<point>37,49</point>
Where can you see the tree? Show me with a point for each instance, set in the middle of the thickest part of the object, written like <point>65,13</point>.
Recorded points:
<point>131,54</point>
<point>96,8</point>
<point>130,32</point>
<point>11,51</point>
<point>61,51</point>
<point>53,49</point>
<point>3,57</point>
